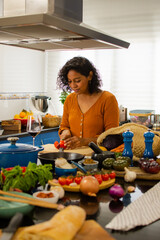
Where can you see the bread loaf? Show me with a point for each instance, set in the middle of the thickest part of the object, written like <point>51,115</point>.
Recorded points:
<point>91,230</point>
<point>62,226</point>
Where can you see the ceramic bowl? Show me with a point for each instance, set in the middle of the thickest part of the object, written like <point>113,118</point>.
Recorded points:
<point>65,172</point>
<point>89,166</point>
<point>53,199</point>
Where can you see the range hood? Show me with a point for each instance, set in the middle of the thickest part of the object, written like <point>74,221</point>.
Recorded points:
<point>56,29</point>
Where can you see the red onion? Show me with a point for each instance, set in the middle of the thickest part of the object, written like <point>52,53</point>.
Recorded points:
<point>116,191</point>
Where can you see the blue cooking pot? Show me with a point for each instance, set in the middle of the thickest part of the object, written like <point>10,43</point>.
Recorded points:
<point>13,154</point>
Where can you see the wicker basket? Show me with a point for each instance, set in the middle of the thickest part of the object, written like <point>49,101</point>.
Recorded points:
<point>53,121</point>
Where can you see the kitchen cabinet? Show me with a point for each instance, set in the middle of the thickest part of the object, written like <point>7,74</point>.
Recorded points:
<point>49,135</point>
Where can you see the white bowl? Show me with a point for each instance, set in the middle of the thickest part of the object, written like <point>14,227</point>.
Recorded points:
<point>50,200</point>
<point>90,166</point>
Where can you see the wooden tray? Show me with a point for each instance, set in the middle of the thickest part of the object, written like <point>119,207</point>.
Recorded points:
<point>140,174</point>
<point>103,185</point>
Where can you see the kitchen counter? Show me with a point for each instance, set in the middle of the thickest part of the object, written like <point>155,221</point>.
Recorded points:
<point>47,135</point>
<point>102,210</point>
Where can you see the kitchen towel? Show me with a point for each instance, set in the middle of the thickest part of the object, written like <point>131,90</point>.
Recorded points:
<point>141,212</point>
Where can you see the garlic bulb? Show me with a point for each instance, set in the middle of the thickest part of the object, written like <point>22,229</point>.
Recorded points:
<point>59,190</point>
<point>129,175</point>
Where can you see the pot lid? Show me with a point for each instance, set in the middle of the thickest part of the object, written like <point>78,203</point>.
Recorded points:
<point>14,147</point>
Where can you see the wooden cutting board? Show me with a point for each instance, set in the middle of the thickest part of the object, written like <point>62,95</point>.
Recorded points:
<point>87,151</point>
<point>140,174</point>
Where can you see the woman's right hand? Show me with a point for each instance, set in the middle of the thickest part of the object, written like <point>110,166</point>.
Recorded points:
<point>65,134</point>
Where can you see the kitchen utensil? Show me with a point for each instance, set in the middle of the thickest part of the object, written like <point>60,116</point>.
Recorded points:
<point>65,171</point>
<point>12,227</point>
<point>49,158</point>
<point>12,154</point>
<point>8,209</point>
<point>41,103</point>
<point>100,155</point>
<point>28,200</point>
<point>53,199</point>
<point>89,166</point>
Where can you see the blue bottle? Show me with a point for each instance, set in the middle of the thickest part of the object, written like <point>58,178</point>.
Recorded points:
<point>127,139</point>
<point>148,152</point>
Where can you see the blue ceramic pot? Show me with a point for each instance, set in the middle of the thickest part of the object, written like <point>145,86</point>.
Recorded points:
<point>13,154</point>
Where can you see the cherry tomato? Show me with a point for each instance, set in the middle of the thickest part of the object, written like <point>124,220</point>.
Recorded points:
<point>112,175</point>
<point>78,179</point>
<point>99,178</point>
<point>69,180</point>
<point>62,145</point>
<point>62,180</point>
<point>105,176</point>
<point>56,144</point>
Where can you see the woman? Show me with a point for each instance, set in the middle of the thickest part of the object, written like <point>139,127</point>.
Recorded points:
<point>88,111</point>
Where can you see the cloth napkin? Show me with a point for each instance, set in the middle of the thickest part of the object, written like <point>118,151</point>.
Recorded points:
<point>141,212</point>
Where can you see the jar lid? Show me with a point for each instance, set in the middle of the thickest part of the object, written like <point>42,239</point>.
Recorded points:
<point>14,147</point>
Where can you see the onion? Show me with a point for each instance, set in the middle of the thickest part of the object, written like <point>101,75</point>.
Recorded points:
<point>116,191</point>
<point>89,186</point>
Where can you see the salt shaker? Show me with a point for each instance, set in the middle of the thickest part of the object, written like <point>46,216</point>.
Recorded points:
<point>148,152</point>
<point>127,138</point>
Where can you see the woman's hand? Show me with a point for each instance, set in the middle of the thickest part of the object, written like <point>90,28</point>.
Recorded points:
<point>73,142</point>
<point>65,134</point>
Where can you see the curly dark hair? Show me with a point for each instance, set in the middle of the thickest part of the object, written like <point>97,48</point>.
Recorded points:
<point>83,66</point>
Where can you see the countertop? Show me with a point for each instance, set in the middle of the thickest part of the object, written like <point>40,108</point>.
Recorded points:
<point>23,133</point>
<point>102,210</point>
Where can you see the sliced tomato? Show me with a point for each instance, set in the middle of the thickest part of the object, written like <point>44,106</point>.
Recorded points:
<point>105,176</point>
<point>62,180</point>
<point>98,177</point>
<point>112,175</point>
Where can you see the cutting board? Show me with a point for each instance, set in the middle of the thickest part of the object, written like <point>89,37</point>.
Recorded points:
<point>87,151</point>
<point>103,185</point>
<point>140,174</point>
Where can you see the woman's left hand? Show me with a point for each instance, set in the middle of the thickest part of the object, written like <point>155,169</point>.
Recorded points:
<point>73,142</point>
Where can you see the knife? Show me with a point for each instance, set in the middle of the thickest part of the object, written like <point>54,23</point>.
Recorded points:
<point>14,223</point>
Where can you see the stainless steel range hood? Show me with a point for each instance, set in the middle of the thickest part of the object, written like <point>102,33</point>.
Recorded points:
<point>52,31</point>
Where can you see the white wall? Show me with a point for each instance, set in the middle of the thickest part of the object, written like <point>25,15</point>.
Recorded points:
<point>21,71</point>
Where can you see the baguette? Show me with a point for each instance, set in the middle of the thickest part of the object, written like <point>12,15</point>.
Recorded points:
<point>62,226</point>
<point>91,230</point>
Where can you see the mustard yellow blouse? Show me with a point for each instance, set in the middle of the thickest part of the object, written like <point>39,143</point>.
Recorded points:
<point>104,114</point>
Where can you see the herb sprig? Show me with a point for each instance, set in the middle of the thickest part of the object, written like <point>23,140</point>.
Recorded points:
<point>25,181</point>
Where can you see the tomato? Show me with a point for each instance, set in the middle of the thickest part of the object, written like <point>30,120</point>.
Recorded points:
<point>56,144</point>
<point>112,175</point>
<point>62,144</point>
<point>78,179</point>
<point>105,176</point>
<point>62,180</point>
<point>99,178</point>
<point>69,180</point>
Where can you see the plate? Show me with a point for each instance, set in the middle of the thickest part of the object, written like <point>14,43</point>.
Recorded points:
<point>9,209</point>
<point>103,185</point>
